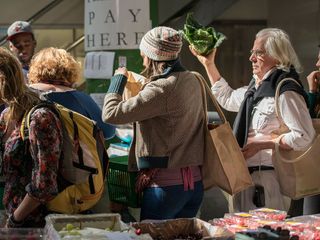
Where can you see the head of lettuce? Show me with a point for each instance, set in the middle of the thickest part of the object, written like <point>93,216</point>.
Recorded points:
<point>203,39</point>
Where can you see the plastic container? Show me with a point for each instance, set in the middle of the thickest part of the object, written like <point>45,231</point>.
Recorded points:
<point>121,183</point>
<point>56,222</point>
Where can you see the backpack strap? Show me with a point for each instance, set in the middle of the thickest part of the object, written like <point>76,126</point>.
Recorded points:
<point>25,123</point>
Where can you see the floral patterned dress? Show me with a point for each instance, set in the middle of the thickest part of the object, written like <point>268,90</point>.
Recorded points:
<point>31,167</point>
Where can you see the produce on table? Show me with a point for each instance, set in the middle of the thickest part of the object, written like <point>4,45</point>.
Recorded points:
<point>69,232</point>
<point>203,39</point>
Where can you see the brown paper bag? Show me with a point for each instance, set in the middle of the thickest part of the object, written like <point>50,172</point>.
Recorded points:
<point>134,85</point>
<point>224,165</point>
<point>298,171</point>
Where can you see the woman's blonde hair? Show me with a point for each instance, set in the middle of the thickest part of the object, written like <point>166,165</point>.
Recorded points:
<point>13,90</point>
<point>153,68</point>
<point>55,66</point>
<point>278,45</point>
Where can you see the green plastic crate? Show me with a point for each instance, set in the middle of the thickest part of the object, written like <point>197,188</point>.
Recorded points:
<point>121,183</point>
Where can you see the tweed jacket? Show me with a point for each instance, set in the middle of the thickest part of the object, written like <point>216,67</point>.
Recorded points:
<point>168,118</point>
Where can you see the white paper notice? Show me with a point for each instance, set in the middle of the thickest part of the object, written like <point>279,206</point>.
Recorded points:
<point>99,65</point>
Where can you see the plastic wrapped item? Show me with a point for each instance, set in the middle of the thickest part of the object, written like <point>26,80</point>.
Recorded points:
<point>21,233</point>
<point>268,213</point>
<point>229,224</point>
<point>124,134</point>
<point>221,222</point>
<point>242,219</point>
<point>258,223</point>
<point>296,226</point>
<point>183,228</point>
<point>91,226</point>
<point>313,220</point>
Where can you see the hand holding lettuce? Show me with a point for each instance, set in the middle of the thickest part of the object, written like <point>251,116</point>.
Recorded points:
<point>203,39</point>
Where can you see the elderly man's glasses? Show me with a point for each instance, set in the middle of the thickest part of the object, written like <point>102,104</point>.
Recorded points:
<point>257,53</point>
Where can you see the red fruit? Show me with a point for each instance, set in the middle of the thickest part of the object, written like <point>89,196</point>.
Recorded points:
<point>138,231</point>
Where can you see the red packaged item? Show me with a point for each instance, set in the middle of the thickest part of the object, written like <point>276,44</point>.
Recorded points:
<point>220,222</point>
<point>316,233</point>
<point>313,220</point>
<point>242,219</point>
<point>305,235</point>
<point>236,228</point>
<point>227,223</point>
<point>268,213</point>
<point>296,226</point>
<point>264,222</point>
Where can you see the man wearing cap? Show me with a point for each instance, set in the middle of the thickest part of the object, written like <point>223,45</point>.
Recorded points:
<point>22,43</point>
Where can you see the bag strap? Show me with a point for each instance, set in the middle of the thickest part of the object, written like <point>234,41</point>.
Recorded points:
<point>297,159</point>
<point>277,95</point>
<point>206,89</point>
<point>277,109</point>
<point>25,123</point>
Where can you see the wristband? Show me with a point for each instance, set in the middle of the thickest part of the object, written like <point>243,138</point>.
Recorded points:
<point>12,222</point>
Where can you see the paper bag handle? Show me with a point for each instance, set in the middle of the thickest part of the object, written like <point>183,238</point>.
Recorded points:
<point>282,159</point>
<point>206,89</point>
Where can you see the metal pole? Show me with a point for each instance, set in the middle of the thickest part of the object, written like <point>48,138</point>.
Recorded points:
<point>74,44</point>
<point>36,16</point>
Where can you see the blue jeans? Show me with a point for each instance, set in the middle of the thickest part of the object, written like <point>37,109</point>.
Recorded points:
<point>171,202</point>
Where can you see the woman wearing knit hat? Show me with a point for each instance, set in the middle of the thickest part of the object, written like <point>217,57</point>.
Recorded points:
<point>169,139</point>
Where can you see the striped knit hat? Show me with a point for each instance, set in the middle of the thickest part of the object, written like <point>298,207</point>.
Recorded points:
<point>161,44</point>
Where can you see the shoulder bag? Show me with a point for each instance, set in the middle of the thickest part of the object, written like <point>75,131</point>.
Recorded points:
<point>298,171</point>
<point>224,165</point>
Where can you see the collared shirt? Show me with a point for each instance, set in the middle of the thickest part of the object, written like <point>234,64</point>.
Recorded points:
<point>264,121</point>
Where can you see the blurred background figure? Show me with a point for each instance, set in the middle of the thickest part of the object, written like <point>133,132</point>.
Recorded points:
<point>312,204</point>
<point>22,44</point>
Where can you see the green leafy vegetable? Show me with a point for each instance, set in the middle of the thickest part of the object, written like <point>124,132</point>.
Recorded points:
<point>203,39</point>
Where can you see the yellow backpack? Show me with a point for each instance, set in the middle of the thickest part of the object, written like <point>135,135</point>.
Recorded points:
<point>83,163</point>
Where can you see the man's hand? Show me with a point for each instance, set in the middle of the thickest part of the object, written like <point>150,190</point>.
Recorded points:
<point>204,60</point>
<point>313,81</point>
<point>253,148</point>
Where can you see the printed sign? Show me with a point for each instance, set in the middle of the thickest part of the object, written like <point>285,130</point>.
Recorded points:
<point>115,24</point>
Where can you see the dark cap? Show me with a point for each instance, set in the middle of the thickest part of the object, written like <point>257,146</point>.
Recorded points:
<point>17,28</point>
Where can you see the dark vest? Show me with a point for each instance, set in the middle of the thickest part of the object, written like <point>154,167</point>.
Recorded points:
<point>253,96</point>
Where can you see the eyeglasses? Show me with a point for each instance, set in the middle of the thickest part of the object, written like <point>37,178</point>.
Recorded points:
<point>257,53</point>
